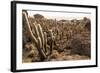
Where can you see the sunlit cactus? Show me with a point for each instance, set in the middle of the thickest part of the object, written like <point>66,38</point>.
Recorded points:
<point>51,40</point>
<point>41,35</point>
<point>39,38</point>
<point>29,28</point>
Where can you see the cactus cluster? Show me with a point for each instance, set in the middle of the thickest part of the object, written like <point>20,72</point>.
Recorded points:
<point>39,38</point>
<point>47,39</point>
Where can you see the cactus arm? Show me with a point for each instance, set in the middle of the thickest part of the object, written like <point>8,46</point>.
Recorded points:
<point>45,42</point>
<point>29,28</point>
<point>51,44</point>
<point>35,29</point>
<point>41,52</point>
<point>41,35</point>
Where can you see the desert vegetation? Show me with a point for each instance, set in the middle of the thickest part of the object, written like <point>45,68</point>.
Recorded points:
<point>55,40</point>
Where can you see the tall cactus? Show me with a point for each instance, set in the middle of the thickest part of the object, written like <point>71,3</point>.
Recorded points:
<point>45,42</point>
<point>40,49</point>
<point>29,28</point>
<point>41,35</point>
<point>39,38</point>
<point>52,41</point>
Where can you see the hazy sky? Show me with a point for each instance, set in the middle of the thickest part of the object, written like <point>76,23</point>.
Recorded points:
<point>60,15</point>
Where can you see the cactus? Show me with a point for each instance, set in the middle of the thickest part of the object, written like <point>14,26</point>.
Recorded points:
<point>39,38</point>
<point>41,35</point>
<point>52,41</point>
<point>45,41</point>
<point>40,49</point>
<point>35,29</point>
<point>29,28</point>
